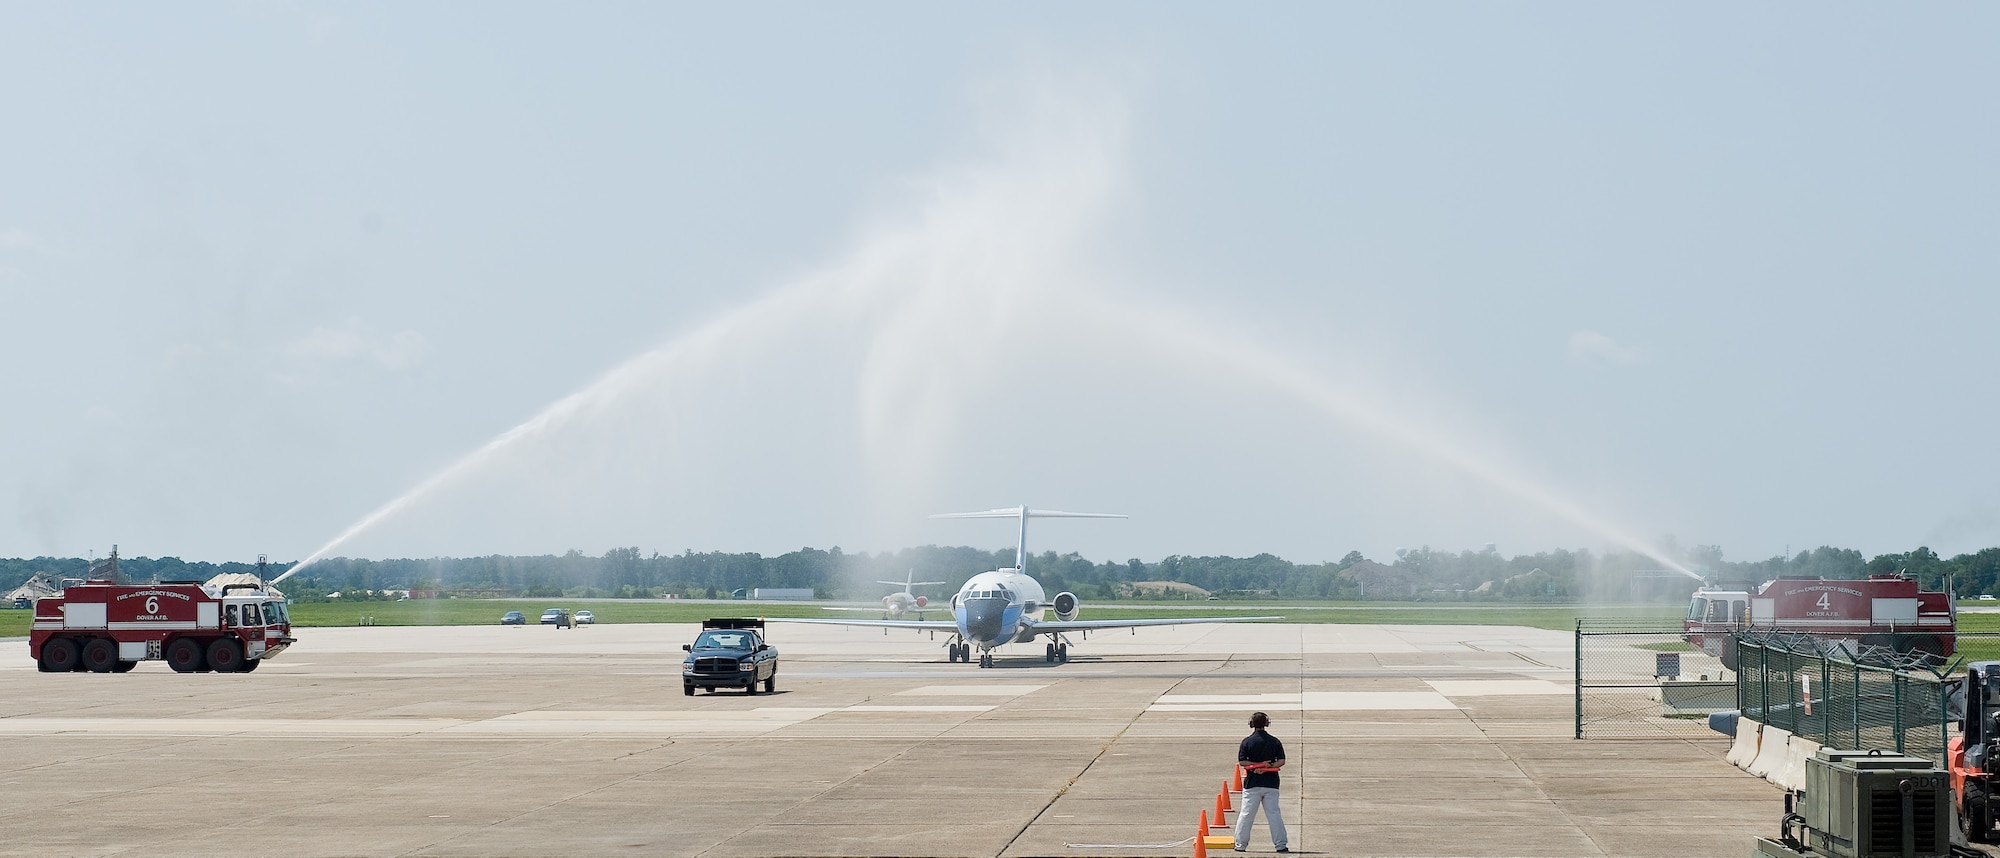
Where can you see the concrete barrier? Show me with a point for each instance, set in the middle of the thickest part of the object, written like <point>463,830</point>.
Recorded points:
<point>1743,750</point>
<point>1773,747</point>
<point>1793,775</point>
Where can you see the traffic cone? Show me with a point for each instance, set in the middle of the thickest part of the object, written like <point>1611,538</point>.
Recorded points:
<point>1201,837</point>
<point>1237,780</point>
<point>1221,806</point>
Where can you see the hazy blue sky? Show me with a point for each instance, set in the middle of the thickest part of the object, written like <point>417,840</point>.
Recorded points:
<point>1296,278</point>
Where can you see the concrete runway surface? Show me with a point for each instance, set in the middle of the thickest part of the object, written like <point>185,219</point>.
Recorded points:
<point>1402,740</point>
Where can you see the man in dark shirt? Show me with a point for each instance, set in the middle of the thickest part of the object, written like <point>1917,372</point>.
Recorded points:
<point>1261,755</point>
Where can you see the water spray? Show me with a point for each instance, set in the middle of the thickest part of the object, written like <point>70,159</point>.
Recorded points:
<point>951,284</point>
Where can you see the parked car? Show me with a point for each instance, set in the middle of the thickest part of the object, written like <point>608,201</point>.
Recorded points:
<point>558,617</point>
<point>513,618</point>
<point>586,618</point>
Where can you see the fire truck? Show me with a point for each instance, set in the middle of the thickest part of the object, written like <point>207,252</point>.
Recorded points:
<point>107,627</point>
<point>1878,611</point>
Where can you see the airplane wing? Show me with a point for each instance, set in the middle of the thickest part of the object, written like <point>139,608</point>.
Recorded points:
<point>918,611</point>
<point>919,625</point>
<point>1096,625</point>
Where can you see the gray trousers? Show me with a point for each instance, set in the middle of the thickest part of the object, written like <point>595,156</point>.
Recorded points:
<point>1266,798</point>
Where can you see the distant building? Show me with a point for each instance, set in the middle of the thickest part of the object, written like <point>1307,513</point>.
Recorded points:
<point>787,593</point>
<point>37,586</point>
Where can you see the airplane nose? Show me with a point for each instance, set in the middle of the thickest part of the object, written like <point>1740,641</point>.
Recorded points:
<point>982,618</point>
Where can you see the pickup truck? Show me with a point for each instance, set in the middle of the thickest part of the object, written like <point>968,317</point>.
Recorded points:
<point>729,653</point>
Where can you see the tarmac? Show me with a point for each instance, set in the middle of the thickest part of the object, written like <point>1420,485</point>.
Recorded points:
<point>448,741</point>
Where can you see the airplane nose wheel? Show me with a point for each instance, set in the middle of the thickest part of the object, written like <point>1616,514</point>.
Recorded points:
<point>985,659</point>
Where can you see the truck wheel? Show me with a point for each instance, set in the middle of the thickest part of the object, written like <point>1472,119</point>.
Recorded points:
<point>184,655</point>
<point>687,689</point>
<point>60,655</point>
<point>225,655</point>
<point>250,664</point>
<point>751,686</point>
<point>771,685</point>
<point>125,667</point>
<point>100,655</point>
<point>1975,819</point>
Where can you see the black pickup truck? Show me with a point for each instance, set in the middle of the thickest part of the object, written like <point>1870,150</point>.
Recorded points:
<point>730,653</point>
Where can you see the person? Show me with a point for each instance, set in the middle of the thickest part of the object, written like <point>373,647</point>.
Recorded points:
<point>1261,755</point>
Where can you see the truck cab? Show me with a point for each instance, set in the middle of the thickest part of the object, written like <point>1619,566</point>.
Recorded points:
<point>1713,616</point>
<point>261,622</point>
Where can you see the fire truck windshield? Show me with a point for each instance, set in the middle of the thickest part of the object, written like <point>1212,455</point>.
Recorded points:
<point>1697,608</point>
<point>275,614</point>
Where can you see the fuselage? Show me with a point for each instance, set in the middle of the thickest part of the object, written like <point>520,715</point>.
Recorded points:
<point>898,604</point>
<point>999,607</point>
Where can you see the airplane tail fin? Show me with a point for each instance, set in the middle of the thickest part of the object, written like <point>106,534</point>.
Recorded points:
<point>1024,513</point>
<point>911,582</point>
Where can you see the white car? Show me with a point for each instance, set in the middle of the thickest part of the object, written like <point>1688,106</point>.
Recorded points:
<point>586,618</point>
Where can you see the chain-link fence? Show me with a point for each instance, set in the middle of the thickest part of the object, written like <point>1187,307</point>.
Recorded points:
<point>1837,696</point>
<point>1641,680</point>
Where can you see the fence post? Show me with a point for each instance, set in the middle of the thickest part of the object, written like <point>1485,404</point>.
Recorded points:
<point>1579,677</point>
<point>1896,682</point>
<point>1854,708</point>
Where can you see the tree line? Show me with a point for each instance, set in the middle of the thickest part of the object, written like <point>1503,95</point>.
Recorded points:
<point>1423,574</point>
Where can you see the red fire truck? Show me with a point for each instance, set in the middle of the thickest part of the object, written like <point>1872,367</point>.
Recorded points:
<point>107,627</point>
<point>1881,610</point>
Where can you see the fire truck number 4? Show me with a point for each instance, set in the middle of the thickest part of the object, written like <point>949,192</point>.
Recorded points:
<point>1825,602</point>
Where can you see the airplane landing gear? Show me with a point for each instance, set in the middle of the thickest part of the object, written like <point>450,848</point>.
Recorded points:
<point>985,659</point>
<point>1058,651</point>
<point>956,652</point>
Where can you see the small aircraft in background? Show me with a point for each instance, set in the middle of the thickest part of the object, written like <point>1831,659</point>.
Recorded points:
<point>904,601</point>
<point>1009,606</point>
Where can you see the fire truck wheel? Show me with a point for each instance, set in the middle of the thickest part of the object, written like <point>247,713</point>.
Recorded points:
<point>184,655</point>
<point>60,655</point>
<point>100,655</point>
<point>250,664</point>
<point>125,667</point>
<point>225,655</point>
<point>1975,820</point>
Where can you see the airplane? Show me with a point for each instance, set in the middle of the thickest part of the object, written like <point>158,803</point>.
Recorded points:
<point>1009,606</point>
<point>902,602</point>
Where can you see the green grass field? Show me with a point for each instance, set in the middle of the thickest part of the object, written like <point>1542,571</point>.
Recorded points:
<point>473,612</point>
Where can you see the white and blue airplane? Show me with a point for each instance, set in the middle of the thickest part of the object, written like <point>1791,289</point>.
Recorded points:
<point>1009,606</point>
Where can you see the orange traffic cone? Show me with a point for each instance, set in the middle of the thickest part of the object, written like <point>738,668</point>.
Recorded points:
<point>1221,806</point>
<point>1237,780</point>
<point>1201,837</point>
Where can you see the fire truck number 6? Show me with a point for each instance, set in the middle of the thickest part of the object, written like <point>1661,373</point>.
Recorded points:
<point>105,627</point>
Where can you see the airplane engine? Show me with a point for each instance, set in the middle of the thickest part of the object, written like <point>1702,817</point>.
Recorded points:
<point>1066,606</point>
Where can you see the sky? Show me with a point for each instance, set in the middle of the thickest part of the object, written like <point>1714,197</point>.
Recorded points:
<point>409,280</point>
